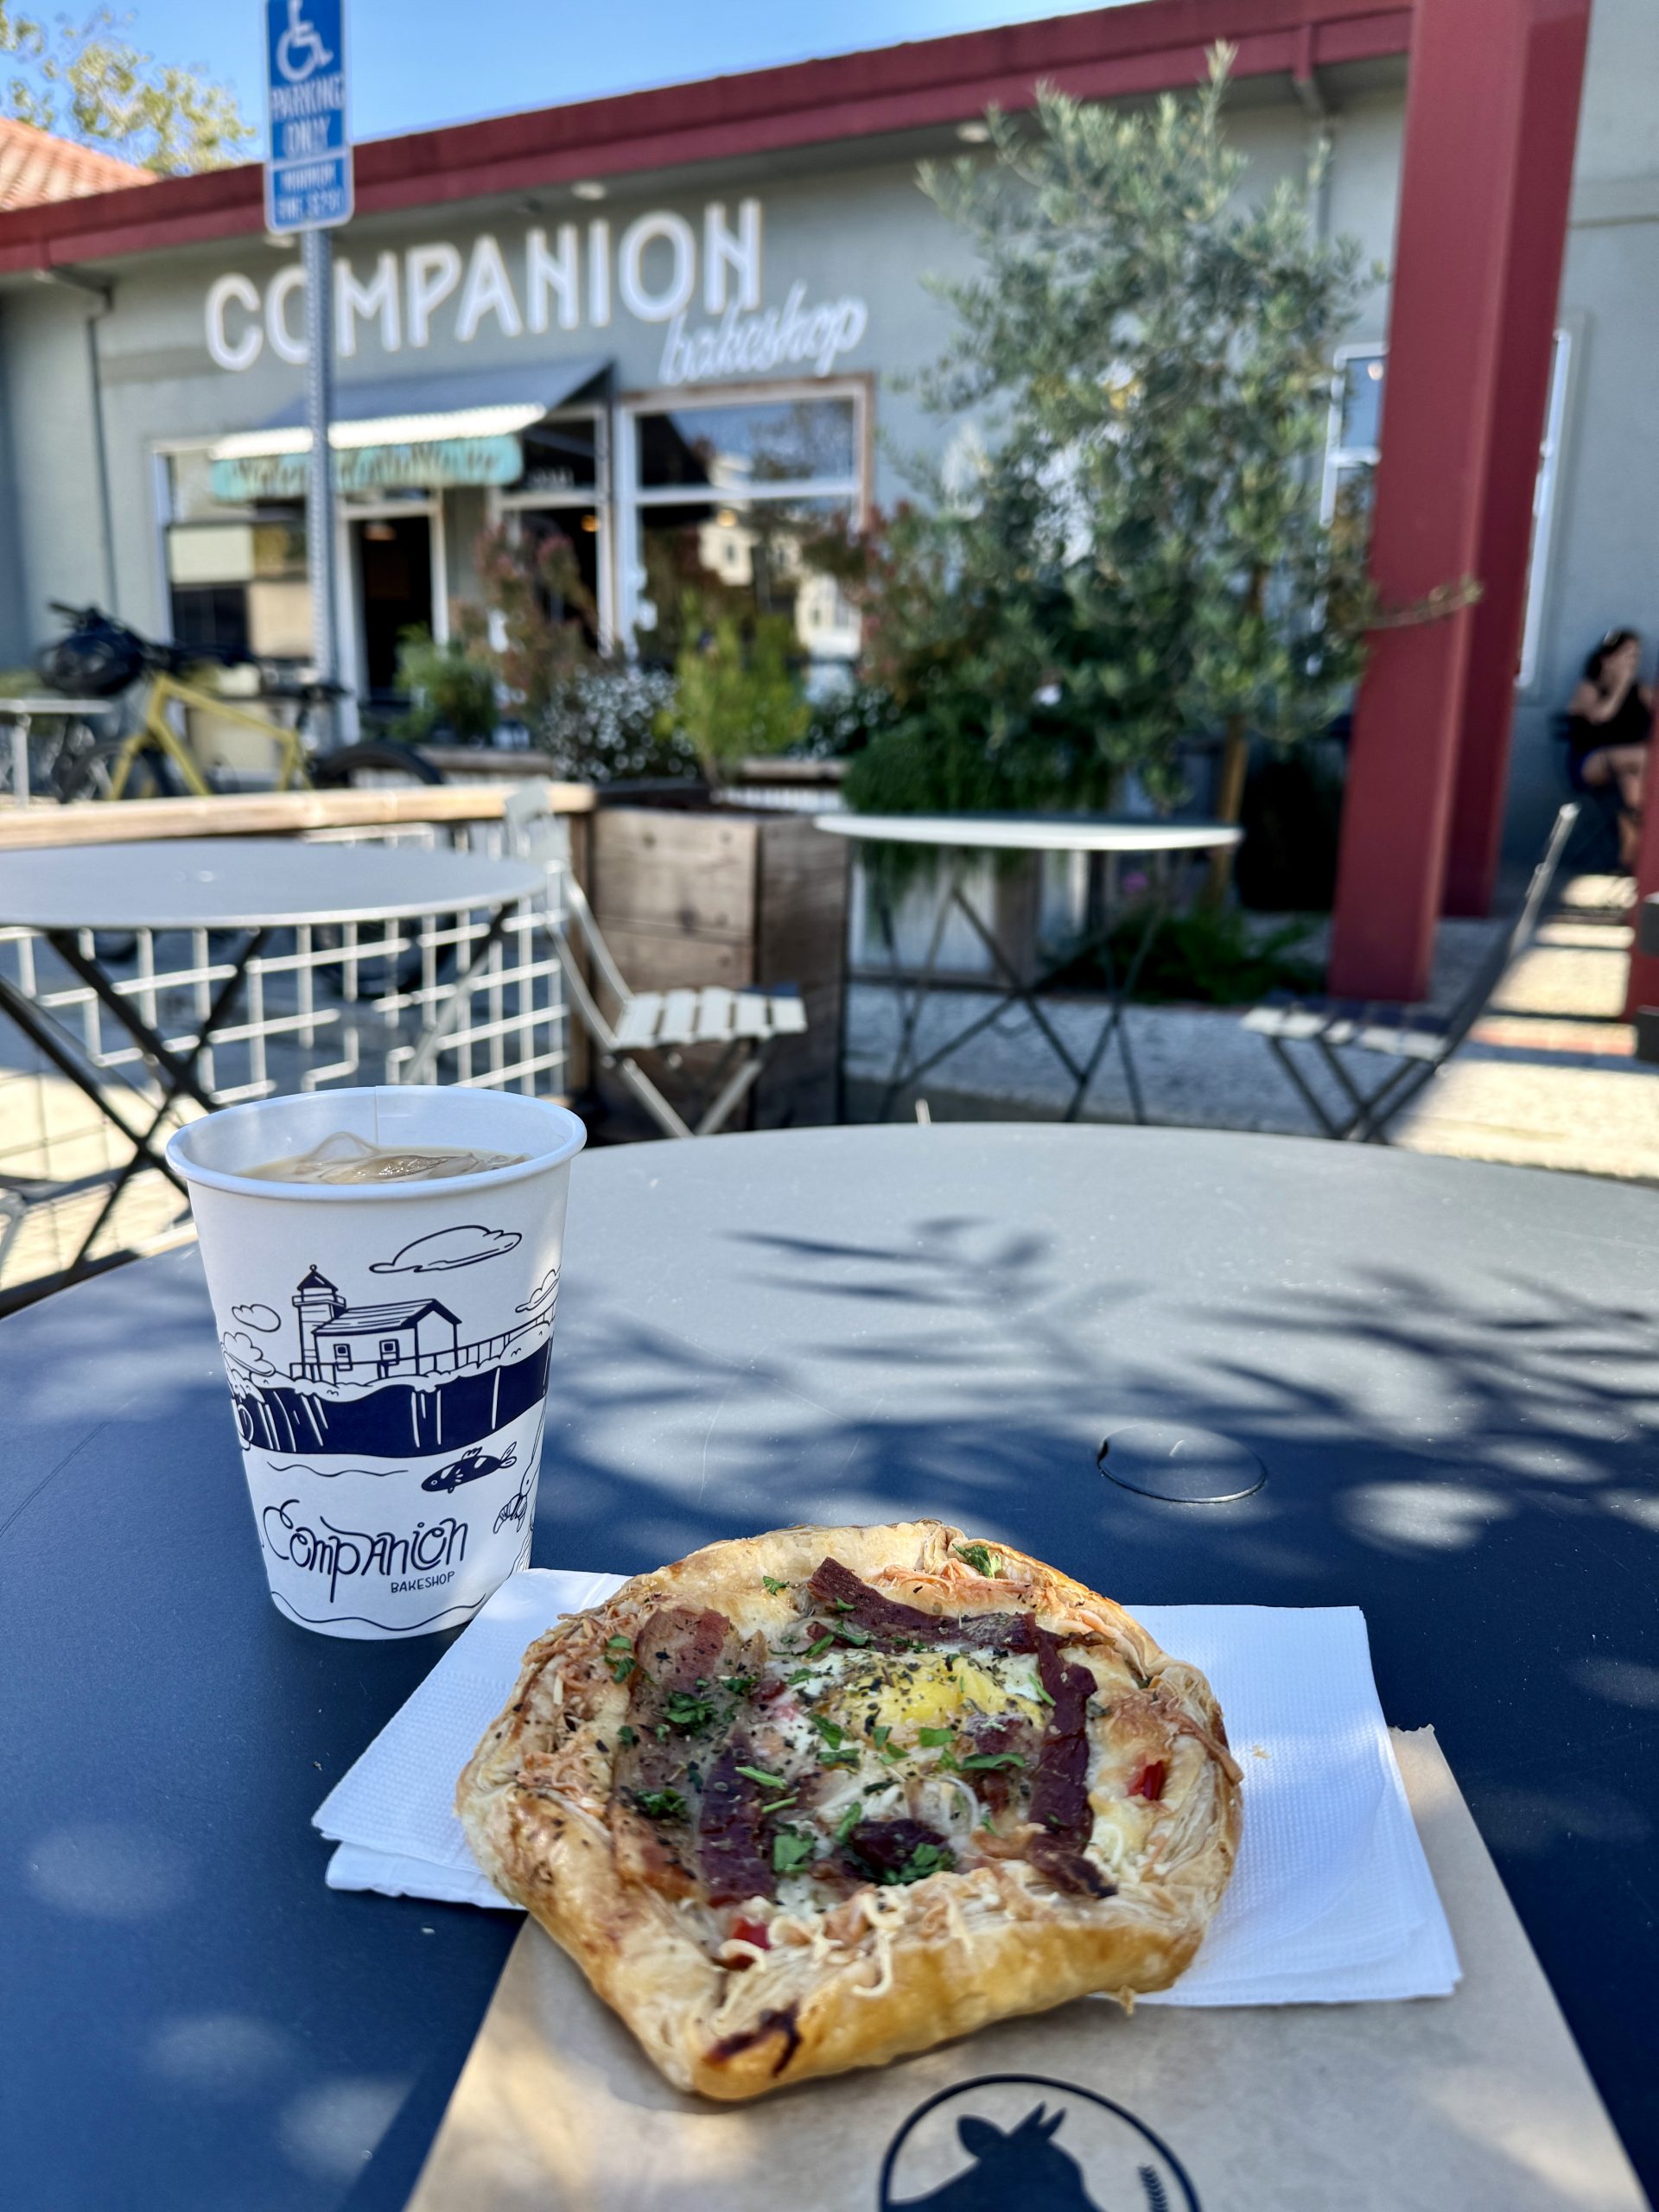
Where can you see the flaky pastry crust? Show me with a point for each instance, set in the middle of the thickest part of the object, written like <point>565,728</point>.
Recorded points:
<point>897,1969</point>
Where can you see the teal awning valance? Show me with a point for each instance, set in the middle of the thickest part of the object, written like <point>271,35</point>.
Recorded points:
<point>416,433</point>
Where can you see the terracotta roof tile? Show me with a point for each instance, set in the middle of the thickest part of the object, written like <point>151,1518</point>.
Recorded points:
<point>34,166</point>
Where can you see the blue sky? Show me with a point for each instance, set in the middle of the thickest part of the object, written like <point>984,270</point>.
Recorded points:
<point>415,62</point>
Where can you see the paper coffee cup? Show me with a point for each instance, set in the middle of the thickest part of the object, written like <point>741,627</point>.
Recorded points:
<point>386,1346</point>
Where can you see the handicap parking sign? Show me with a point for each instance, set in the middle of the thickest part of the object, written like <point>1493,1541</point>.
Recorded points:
<point>308,172</point>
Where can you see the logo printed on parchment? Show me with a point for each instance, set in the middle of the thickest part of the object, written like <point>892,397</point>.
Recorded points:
<point>1027,2143</point>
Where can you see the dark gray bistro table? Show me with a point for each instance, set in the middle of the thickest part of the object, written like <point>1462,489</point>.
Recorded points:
<point>1451,1371</point>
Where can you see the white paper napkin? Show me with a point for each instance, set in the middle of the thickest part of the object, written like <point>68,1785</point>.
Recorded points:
<point>1331,1901</point>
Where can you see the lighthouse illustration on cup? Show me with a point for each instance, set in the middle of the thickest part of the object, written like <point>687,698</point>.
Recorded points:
<point>387,1345</point>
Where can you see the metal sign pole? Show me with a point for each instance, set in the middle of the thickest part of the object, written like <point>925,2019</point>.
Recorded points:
<point>308,188</point>
<point>318,247</point>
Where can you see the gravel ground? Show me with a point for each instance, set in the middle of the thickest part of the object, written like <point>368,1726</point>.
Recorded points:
<point>1545,1079</point>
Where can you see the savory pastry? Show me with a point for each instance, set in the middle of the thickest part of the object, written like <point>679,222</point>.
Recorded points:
<point>813,1799</point>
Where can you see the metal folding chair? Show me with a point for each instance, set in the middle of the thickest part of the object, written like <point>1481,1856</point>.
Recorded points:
<point>747,1024</point>
<point>1420,1042</point>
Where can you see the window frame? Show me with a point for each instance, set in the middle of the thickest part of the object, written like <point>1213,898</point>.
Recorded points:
<point>599,496</point>
<point>1339,460</point>
<point>633,498</point>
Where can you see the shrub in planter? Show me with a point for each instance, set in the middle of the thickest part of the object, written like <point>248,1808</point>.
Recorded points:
<point>611,723</point>
<point>1130,548</point>
<point>451,691</point>
<point>736,693</point>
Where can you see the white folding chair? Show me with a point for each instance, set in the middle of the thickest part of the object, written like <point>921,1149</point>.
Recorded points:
<point>746,1023</point>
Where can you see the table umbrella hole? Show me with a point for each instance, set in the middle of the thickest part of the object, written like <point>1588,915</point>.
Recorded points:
<point>1187,1466</point>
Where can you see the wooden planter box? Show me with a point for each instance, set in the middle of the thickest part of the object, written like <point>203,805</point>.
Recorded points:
<point>724,896</point>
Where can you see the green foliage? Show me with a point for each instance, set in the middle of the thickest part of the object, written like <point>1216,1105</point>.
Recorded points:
<point>736,694</point>
<point>1212,956</point>
<point>843,718</point>
<point>612,723</point>
<point>449,689</point>
<point>531,630</point>
<point>86,81</point>
<point>1128,547</point>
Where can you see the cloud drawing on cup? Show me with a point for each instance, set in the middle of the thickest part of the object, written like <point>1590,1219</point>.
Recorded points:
<point>448,1248</point>
<point>238,1345</point>
<point>543,1292</point>
<point>262,1318</point>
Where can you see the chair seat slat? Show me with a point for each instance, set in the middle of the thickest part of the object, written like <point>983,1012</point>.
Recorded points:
<point>679,1022</point>
<point>637,1022</point>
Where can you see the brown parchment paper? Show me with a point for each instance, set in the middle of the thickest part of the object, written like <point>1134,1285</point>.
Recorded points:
<point>1478,2102</point>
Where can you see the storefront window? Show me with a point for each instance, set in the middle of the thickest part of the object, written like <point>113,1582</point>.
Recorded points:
<point>747,446</point>
<point>236,576</point>
<point>1352,446</point>
<point>561,494</point>
<point>770,475</point>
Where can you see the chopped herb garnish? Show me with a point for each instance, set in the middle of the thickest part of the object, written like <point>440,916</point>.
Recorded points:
<point>759,1774</point>
<point>848,1821</point>
<point>691,1713</point>
<point>980,1558</point>
<point>779,1805</point>
<point>816,1651</point>
<point>983,1762</point>
<point>661,1804</point>
<point>844,1604</point>
<point>790,1851</point>
<point>931,1739</point>
<point>627,1737</point>
<point>985,1819</point>
<point>847,1756</point>
<point>618,1644</point>
<point>619,1657</point>
<point>770,1582</point>
<point>801,1674</point>
<point>660,1732</point>
<point>828,1729</point>
<point>927,1859</point>
<point>881,1735</point>
<point>738,1685</point>
<point>1041,1695</point>
<point>848,1634</point>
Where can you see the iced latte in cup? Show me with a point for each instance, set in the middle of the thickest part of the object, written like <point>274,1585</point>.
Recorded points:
<point>384,1266</point>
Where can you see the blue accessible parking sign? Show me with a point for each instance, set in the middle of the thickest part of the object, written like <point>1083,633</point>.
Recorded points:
<point>308,173</point>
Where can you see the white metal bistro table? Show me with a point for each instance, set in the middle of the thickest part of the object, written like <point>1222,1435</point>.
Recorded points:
<point>252,885</point>
<point>961,837</point>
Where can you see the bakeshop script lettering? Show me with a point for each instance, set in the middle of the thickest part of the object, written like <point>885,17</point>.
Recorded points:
<point>336,1553</point>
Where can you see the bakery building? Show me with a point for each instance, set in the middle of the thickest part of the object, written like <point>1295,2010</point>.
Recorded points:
<point>668,324</point>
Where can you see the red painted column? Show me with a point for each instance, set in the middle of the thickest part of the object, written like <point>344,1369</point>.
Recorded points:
<point>1473,82</point>
<point>1542,187</point>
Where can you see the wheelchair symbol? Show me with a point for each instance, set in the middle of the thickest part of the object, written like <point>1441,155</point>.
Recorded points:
<point>300,51</point>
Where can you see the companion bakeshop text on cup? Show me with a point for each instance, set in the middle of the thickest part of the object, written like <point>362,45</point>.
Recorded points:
<point>387,1324</point>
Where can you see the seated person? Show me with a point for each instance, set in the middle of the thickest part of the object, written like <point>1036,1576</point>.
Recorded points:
<point>1611,712</point>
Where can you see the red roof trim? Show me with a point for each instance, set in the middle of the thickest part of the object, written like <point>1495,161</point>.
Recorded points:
<point>1112,54</point>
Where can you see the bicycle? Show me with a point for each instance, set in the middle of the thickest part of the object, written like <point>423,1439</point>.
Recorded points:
<point>102,658</point>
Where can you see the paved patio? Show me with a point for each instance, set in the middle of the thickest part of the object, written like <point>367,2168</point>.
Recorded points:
<point>1547,1079</point>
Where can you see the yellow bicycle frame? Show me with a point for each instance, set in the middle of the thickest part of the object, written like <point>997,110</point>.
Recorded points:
<point>157,732</point>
